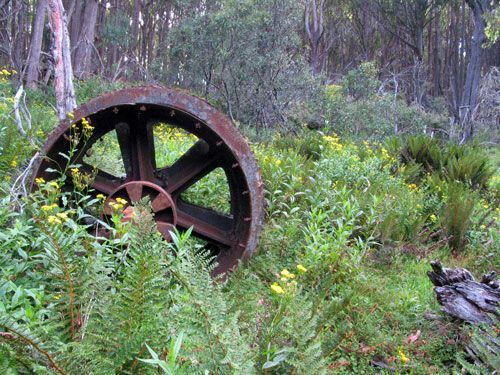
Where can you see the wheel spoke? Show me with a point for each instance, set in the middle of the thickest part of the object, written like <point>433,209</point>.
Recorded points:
<point>197,162</point>
<point>124,141</point>
<point>137,149</point>
<point>160,203</point>
<point>134,192</point>
<point>144,151</point>
<point>207,224</point>
<point>165,229</point>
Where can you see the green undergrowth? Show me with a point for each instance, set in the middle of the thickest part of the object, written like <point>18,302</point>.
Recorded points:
<point>338,283</point>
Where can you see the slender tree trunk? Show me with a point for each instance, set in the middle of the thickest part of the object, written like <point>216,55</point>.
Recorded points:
<point>36,45</point>
<point>470,94</point>
<point>63,71</point>
<point>85,43</point>
<point>19,35</point>
<point>75,23</point>
<point>314,25</point>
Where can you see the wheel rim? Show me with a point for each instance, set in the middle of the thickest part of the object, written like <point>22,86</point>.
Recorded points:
<point>132,113</point>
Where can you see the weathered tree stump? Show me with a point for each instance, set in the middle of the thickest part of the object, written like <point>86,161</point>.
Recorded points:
<point>463,297</point>
<point>474,302</point>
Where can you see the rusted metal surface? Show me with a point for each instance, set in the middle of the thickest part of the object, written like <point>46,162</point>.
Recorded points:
<point>132,113</point>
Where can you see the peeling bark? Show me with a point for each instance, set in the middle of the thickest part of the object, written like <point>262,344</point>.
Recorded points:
<point>63,72</point>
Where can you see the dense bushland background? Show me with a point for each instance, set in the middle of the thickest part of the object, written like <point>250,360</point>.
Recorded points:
<point>355,113</point>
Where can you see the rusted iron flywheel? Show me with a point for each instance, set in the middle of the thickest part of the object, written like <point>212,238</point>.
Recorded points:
<point>132,113</point>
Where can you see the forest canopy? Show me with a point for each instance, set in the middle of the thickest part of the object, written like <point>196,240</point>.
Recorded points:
<point>269,63</point>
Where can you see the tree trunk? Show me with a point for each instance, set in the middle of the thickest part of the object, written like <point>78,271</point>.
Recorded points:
<point>63,72</point>
<point>85,43</point>
<point>75,24</point>
<point>19,31</point>
<point>35,45</point>
<point>314,25</point>
<point>470,94</point>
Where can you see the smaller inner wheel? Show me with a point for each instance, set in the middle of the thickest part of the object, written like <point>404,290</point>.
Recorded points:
<point>162,205</point>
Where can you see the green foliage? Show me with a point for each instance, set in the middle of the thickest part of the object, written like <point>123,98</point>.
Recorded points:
<point>362,82</point>
<point>169,365</point>
<point>258,78</point>
<point>468,165</point>
<point>458,209</point>
<point>358,106</point>
<point>492,29</point>
<point>116,31</point>
<point>338,281</point>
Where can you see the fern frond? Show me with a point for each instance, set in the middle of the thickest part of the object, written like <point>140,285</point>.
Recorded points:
<point>22,334</point>
<point>192,269</point>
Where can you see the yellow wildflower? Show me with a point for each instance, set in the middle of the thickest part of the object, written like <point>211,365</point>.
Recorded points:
<point>287,274</point>
<point>86,124</point>
<point>54,184</point>
<point>101,197</point>
<point>39,180</point>
<point>116,206</point>
<point>75,170</point>
<point>482,226</point>
<point>47,208</point>
<point>301,268</point>
<point>402,356</point>
<point>6,72</point>
<point>486,205</point>
<point>433,218</point>
<point>53,220</point>
<point>412,186</point>
<point>62,215</point>
<point>13,163</point>
<point>121,201</point>
<point>14,71</point>
<point>70,115</point>
<point>277,289</point>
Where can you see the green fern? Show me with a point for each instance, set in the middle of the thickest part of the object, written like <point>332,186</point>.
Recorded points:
<point>31,348</point>
<point>483,356</point>
<point>457,213</point>
<point>202,305</point>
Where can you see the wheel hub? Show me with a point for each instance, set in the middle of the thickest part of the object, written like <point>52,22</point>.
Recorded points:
<point>162,204</point>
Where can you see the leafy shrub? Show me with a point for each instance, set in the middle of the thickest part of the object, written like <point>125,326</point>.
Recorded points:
<point>361,82</point>
<point>356,108</point>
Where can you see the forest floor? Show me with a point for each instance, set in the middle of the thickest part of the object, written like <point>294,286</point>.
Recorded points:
<point>338,283</point>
